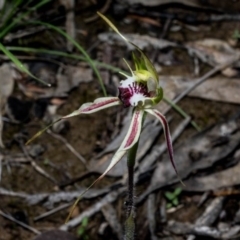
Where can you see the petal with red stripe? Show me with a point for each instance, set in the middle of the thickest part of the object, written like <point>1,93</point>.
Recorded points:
<point>164,123</point>
<point>87,108</point>
<point>128,142</point>
<point>97,105</point>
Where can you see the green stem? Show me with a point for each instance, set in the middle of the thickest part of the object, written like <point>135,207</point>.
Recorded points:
<point>131,163</point>
<point>130,224</point>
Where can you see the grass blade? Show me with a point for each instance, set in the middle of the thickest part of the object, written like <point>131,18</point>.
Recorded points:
<point>9,10</point>
<point>63,54</point>
<point>19,64</point>
<point>5,29</point>
<point>80,48</point>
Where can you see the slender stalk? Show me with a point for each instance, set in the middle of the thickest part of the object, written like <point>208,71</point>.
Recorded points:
<point>130,223</point>
<point>130,203</point>
<point>131,163</point>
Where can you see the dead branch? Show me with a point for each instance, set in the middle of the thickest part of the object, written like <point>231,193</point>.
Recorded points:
<point>9,217</point>
<point>111,197</point>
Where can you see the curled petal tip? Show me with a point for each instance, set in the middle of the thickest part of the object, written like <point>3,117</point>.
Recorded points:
<point>164,123</point>
<point>39,133</point>
<point>112,26</point>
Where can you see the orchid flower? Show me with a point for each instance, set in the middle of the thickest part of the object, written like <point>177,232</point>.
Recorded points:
<point>139,90</point>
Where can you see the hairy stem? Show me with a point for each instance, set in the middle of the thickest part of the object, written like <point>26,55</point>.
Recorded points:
<point>130,163</point>
<point>130,224</point>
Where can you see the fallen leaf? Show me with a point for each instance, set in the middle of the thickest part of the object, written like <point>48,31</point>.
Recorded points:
<point>152,3</point>
<point>70,21</point>
<point>214,52</point>
<point>142,41</point>
<point>110,215</point>
<point>219,89</point>
<point>79,74</point>
<point>73,76</point>
<point>63,80</point>
<point>226,178</point>
<point>55,234</point>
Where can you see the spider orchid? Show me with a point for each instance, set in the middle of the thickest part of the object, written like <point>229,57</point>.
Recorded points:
<point>139,90</point>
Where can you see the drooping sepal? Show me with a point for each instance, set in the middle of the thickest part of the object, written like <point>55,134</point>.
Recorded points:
<point>165,126</point>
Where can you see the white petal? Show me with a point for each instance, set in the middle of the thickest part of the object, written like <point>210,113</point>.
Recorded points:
<point>97,105</point>
<point>134,130</point>
<point>130,139</point>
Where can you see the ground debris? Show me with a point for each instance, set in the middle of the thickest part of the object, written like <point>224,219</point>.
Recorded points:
<point>154,3</point>
<point>70,21</point>
<point>49,199</point>
<point>110,215</point>
<point>222,179</point>
<point>157,151</point>
<point>187,228</point>
<point>179,228</point>
<point>151,214</point>
<point>29,228</point>
<point>56,234</point>
<point>214,52</point>
<point>65,79</point>
<point>219,89</point>
<point>6,88</point>
<point>109,198</point>
<point>142,41</point>
<point>196,153</point>
<point>211,213</point>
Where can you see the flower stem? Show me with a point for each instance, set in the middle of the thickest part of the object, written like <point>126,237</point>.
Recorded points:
<point>130,163</point>
<point>130,224</point>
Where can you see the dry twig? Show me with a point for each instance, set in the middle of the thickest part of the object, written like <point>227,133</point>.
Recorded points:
<point>68,145</point>
<point>202,79</point>
<point>9,217</point>
<point>111,197</point>
<point>49,213</point>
